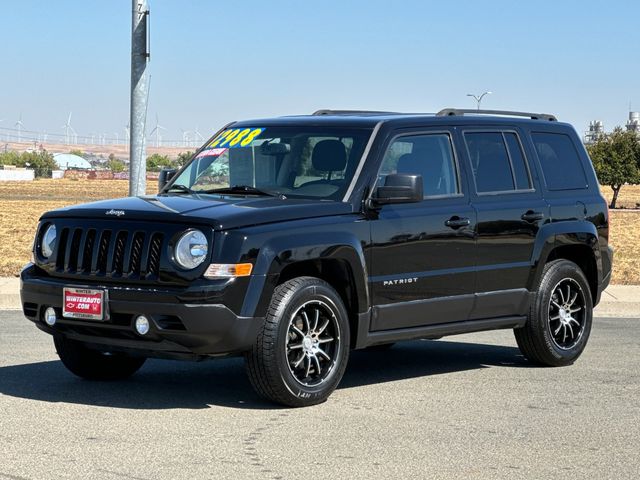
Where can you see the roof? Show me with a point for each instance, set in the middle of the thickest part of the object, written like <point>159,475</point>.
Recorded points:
<point>369,119</point>
<point>67,161</point>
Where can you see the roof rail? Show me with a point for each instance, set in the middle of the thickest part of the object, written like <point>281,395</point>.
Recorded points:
<point>351,112</point>
<point>462,111</point>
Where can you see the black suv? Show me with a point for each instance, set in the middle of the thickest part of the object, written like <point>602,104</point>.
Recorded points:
<point>294,240</point>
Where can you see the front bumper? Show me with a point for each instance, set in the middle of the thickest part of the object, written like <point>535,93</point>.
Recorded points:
<point>178,329</point>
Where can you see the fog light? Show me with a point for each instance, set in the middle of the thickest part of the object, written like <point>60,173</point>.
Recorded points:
<point>142,325</point>
<point>50,317</point>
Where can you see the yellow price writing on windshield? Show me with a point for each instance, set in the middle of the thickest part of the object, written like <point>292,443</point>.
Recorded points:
<point>236,137</point>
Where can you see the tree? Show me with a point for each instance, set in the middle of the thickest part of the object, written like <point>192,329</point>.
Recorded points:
<point>183,158</point>
<point>41,161</point>
<point>156,161</point>
<point>115,164</point>
<point>616,159</point>
<point>77,152</point>
<point>9,158</point>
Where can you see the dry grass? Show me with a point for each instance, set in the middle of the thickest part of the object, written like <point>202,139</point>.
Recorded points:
<point>629,196</point>
<point>624,235</point>
<point>22,203</point>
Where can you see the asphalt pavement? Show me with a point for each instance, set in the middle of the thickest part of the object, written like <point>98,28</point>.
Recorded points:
<point>464,407</point>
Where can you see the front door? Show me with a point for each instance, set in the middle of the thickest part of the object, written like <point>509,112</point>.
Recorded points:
<point>422,269</point>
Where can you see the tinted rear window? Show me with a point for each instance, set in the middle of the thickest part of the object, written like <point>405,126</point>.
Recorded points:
<point>560,162</point>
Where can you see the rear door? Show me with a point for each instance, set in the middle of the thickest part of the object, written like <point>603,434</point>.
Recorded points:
<point>423,254</point>
<point>510,210</point>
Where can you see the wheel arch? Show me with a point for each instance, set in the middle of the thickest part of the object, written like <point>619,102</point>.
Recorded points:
<point>336,258</point>
<point>576,241</point>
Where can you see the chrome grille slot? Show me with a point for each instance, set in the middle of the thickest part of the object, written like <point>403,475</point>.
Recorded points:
<point>118,253</point>
<point>102,252</point>
<point>61,249</point>
<point>136,253</point>
<point>155,249</point>
<point>87,252</point>
<point>71,255</point>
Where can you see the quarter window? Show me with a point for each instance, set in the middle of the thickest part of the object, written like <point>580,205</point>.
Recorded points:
<point>497,161</point>
<point>429,155</point>
<point>560,162</point>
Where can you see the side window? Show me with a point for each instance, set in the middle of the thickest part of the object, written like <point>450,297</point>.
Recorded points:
<point>561,165</point>
<point>497,161</point>
<point>429,155</point>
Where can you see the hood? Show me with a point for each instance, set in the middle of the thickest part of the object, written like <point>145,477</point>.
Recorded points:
<point>220,212</point>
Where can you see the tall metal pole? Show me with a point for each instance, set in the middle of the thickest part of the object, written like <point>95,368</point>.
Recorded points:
<point>139,95</point>
<point>477,98</point>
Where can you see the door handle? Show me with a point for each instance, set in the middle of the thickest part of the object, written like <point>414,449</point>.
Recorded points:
<point>457,222</point>
<point>531,216</point>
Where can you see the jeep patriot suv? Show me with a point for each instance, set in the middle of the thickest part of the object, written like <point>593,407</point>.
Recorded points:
<point>293,240</point>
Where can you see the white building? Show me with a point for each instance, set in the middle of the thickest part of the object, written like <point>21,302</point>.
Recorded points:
<point>66,161</point>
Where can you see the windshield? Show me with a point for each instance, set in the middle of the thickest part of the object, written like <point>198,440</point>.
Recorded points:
<point>299,162</point>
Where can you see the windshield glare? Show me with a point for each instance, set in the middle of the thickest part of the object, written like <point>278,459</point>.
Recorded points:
<point>299,162</point>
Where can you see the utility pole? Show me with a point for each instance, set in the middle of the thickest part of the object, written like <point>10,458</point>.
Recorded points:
<point>139,96</point>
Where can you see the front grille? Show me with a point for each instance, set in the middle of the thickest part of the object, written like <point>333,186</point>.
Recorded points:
<point>109,252</point>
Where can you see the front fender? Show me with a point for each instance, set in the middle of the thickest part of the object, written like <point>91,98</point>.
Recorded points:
<point>281,251</point>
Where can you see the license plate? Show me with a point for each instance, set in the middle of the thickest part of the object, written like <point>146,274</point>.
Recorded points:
<point>83,303</point>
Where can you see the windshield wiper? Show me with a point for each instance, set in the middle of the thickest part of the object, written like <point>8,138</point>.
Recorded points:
<point>181,188</point>
<point>243,189</point>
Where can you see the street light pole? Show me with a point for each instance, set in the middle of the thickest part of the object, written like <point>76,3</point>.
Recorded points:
<point>139,94</point>
<point>478,98</point>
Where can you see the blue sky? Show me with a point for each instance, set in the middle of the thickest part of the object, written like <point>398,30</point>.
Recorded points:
<point>218,61</point>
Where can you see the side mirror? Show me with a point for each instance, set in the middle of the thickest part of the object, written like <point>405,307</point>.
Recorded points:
<point>166,174</point>
<point>399,188</point>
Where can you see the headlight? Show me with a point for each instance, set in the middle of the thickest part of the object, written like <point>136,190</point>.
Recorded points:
<point>48,241</point>
<point>191,249</point>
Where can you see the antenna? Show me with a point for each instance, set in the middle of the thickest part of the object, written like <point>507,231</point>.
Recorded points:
<point>156,130</point>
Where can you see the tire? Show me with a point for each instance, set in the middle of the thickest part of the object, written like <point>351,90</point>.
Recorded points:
<point>94,365</point>
<point>560,317</point>
<point>285,364</point>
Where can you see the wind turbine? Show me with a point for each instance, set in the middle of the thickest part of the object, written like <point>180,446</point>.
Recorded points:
<point>197,135</point>
<point>67,127</point>
<point>185,137</point>
<point>20,126</point>
<point>156,130</point>
<point>126,136</point>
<point>117,138</point>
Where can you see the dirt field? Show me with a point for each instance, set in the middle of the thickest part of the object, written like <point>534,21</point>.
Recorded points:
<point>120,151</point>
<point>22,203</point>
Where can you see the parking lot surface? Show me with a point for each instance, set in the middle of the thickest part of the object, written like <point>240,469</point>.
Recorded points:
<point>462,407</point>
